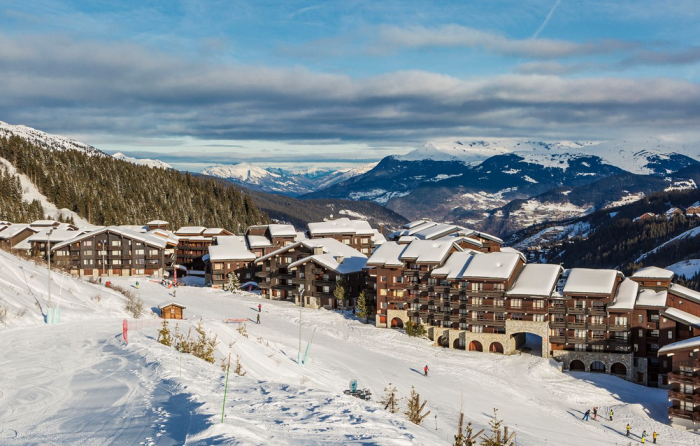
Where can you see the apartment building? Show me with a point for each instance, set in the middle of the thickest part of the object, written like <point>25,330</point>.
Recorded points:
<point>355,233</point>
<point>228,254</point>
<point>684,382</point>
<point>315,263</point>
<point>264,239</point>
<point>193,245</point>
<point>429,230</point>
<point>113,251</point>
<point>12,234</point>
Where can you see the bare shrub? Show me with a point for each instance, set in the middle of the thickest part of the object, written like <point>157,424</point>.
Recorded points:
<point>96,298</point>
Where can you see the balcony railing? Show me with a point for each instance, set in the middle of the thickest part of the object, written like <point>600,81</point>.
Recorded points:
<point>685,414</point>
<point>557,310</point>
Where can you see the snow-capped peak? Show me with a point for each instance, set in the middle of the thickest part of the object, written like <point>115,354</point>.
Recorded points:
<point>46,140</point>
<point>244,172</point>
<point>142,161</point>
<point>471,153</point>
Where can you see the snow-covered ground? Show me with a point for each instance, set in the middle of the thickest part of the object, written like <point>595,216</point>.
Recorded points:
<point>686,268</point>
<point>77,382</point>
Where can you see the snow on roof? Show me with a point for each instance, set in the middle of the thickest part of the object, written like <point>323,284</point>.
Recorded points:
<point>626,295</point>
<point>685,292</point>
<point>340,226</point>
<point>436,231</point>
<point>169,303</point>
<point>590,281</point>
<point>277,230</point>
<point>258,241</point>
<point>494,265</point>
<point>421,227</point>
<point>427,251</point>
<point>455,265</point>
<point>352,259</point>
<point>513,250</point>
<point>406,239</point>
<point>493,238</point>
<point>378,238</point>
<point>14,229</point>
<point>57,235</point>
<point>157,223</point>
<point>148,239</point>
<point>653,272</point>
<point>387,254</point>
<point>651,298</point>
<point>414,223</point>
<point>457,238</point>
<point>681,316</point>
<point>215,231</point>
<point>135,228</point>
<point>43,223</point>
<point>230,247</point>
<point>681,345</point>
<point>188,230</point>
<point>300,236</point>
<point>536,280</point>
<point>171,237</point>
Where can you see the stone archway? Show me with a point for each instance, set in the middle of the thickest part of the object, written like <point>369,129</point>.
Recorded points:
<point>597,367</point>
<point>533,336</point>
<point>475,346</point>
<point>458,343</point>
<point>496,347</point>
<point>618,369</point>
<point>577,366</point>
<point>396,323</point>
<point>443,341</point>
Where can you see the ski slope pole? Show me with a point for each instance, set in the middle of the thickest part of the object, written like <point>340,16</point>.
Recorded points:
<point>181,340</point>
<point>228,368</point>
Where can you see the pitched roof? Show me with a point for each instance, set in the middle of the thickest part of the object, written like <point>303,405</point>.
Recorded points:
<point>653,272</point>
<point>387,254</point>
<point>626,295</point>
<point>14,229</point>
<point>230,247</point>
<point>190,230</point>
<point>494,265</point>
<point>651,298</point>
<point>340,226</point>
<point>590,281</point>
<point>454,267</point>
<point>258,241</point>
<point>682,291</point>
<point>157,223</point>
<point>277,230</point>
<point>169,303</point>
<point>681,316</point>
<point>216,231</point>
<point>428,251</point>
<point>57,235</point>
<point>352,259</point>
<point>148,239</point>
<point>536,280</point>
<point>691,343</point>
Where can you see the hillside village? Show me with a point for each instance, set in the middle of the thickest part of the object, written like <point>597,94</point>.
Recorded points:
<point>468,290</point>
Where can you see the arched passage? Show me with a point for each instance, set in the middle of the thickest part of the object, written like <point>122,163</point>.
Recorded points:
<point>443,341</point>
<point>530,343</point>
<point>396,323</point>
<point>619,369</point>
<point>577,366</point>
<point>475,346</point>
<point>458,344</point>
<point>597,367</point>
<point>496,347</point>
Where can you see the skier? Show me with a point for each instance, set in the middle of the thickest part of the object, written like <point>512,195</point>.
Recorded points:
<point>611,414</point>
<point>654,435</point>
<point>628,429</point>
<point>644,437</point>
<point>595,413</point>
<point>259,308</point>
<point>258,321</point>
<point>137,284</point>
<point>425,370</point>
<point>585,415</point>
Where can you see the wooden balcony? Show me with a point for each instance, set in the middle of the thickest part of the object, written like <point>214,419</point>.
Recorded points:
<point>574,310</point>
<point>623,327</point>
<point>576,325</point>
<point>686,415</point>
<point>597,311</point>
<point>680,396</point>
<point>675,377</point>
<point>597,326</point>
<point>486,322</point>
<point>484,293</point>
<point>557,339</point>
<point>557,310</point>
<point>557,324</point>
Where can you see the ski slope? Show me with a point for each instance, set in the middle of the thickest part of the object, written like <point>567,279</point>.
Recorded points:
<point>77,382</point>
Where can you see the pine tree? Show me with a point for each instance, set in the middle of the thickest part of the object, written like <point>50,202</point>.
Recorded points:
<point>339,291</point>
<point>239,367</point>
<point>414,330</point>
<point>466,436</point>
<point>233,285</point>
<point>499,436</point>
<point>361,309</point>
<point>415,408</point>
<point>164,336</point>
<point>390,401</point>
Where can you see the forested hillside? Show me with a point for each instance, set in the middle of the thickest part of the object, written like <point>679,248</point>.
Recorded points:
<point>12,206</point>
<point>108,191</point>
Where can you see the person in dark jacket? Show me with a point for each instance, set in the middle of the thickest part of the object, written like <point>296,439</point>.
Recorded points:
<point>258,321</point>
<point>585,415</point>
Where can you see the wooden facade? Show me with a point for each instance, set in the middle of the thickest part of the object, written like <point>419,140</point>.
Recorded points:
<point>172,311</point>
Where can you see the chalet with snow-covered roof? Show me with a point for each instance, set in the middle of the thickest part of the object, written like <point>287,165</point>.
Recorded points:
<point>693,209</point>
<point>425,229</point>
<point>673,212</point>
<point>229,254</point>
<point>315,263</point>
<point>646,216</point>
<point>193,244</point>
<point>157,224</point>
<point>653,277</point>
<point>14,234</point>
<point>356,233</point>
<point>264,239</point>
<point>50,237</point>
<point>113,251</point>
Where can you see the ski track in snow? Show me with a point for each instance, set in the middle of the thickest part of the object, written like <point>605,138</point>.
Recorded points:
<point>78,383</point>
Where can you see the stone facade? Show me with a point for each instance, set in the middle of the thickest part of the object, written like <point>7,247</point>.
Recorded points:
<point>540,329</point>
<point>626,359</point>
<point>391,314</point>
<point>641,366</point>
<point>461,339</point>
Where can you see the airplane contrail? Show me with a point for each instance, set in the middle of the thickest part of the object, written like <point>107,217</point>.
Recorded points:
<point>546,19</point>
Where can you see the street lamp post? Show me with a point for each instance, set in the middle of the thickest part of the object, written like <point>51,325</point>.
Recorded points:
<point>48,252</point>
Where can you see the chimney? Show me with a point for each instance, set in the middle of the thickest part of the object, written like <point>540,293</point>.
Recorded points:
<point>318,250</point>
<point>381,228</point>
<point>339,259</point>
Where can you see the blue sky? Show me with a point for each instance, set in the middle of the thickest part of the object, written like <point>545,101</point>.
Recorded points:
<point>336,83</point>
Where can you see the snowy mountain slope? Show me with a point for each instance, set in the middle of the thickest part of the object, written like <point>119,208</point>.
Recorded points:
<point>142,161</point>
<point>346,174</point>
<point>46,140</point>
<point>30,193</point>
<point>686,268</point>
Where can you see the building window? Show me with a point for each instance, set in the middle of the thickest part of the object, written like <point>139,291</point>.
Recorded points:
<point>580,347</point>
<point>116,243</point>
<point>687,406</point>
<point>516,316</point>
<point>538,317</point>
<point>597,348</point>
<point>499,302</point>
<point>516,303</point>
<point>87,262</point>
<point>477,329</point>
<point>477,301</point>
<point>218,266</point>
<point>581,334</point>
<point>326,289</point>
<point>346,241</point>
<point>641,319</point>
<point>538,303</point>
<point>620,320</point>
<point>670,334</point>
<point>87,243</point>
<point>477,286</point>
